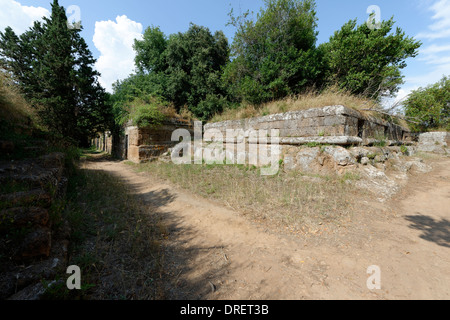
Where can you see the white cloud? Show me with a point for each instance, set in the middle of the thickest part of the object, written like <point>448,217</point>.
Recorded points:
<point>19,17</point>
<point>433,49</point>
<point>441,27</point>
<point>442,14</point>
<point>404,93</point>
<point>434,35</point>
<point>431,77</point>
<point>396,102</point>
<point>436,60</point>
<point>114,40</point>
<point>434,55</point>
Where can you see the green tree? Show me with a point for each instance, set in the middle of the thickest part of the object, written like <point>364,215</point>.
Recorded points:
<point>18,55</point>
<point>184,69</point>
<point>195,60</point>
<point>367,61</point>
<point>430,106</point>
<point>150,51</point>
<point>54,67</point>
<point>275,55</point>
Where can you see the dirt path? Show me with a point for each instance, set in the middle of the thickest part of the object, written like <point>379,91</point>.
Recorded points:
<point>214,253</point>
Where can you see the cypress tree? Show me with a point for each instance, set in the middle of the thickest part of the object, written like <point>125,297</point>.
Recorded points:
<point>54,67</point>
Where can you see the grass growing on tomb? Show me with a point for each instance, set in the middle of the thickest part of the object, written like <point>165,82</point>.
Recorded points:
<point>308,100</point>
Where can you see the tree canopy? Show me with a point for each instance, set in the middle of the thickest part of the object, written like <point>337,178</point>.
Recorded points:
<point>366,61</point>
<point>275,55</point>
<point>54,68</point>
<point>430,106</point>
<point>184,68</point>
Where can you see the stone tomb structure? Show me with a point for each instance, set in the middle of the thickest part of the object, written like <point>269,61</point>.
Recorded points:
<point>336,125</point>
<point>146,144</point>
<point>330,126</point>
<point>309,139</point>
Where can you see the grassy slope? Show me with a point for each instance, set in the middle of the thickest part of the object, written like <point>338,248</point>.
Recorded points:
<point>308,100</point>
<point>21,136</point>
<point>14,109</point>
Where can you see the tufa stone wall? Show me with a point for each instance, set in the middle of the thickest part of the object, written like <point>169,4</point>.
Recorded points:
<point>31,248</point>
<point>141,144</point>
<point>335,128</point>
<point>337,125</point>
<point>435,142</point>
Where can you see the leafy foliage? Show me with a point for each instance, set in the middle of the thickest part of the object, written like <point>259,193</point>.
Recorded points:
<point>368,62</point>
<point>430,106</point>
<point>275,55</point>
<point>210,106</point>
<point>184,68</point>
<point>144,112</point>
<point>150,51</point>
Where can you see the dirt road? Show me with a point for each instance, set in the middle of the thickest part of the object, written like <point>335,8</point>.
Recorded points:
<point>213,252</point>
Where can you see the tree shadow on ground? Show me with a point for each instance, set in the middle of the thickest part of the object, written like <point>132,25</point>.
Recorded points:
<point>437,231</point>
<point>179,278</point>
<point>183,269</point>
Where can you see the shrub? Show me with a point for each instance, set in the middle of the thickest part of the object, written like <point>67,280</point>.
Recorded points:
<point>430,106</point>
<point>145,112</point>
<point>147,115</point>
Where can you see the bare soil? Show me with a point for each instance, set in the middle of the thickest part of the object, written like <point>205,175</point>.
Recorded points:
<point>215,253</point>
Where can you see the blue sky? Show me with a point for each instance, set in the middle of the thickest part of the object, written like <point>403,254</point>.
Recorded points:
<point>111,26</point>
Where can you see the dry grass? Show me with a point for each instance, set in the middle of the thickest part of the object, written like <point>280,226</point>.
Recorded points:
<point>13,106</point>
<point>308,100</point>
<point>115,240</point>
<point>292,200</point>
<point>171,112</point>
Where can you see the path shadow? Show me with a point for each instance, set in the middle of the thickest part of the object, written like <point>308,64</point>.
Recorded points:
<point>166,259</point>
<point>188,271</point>
<point>158,198</point>
<point>437,231</point>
